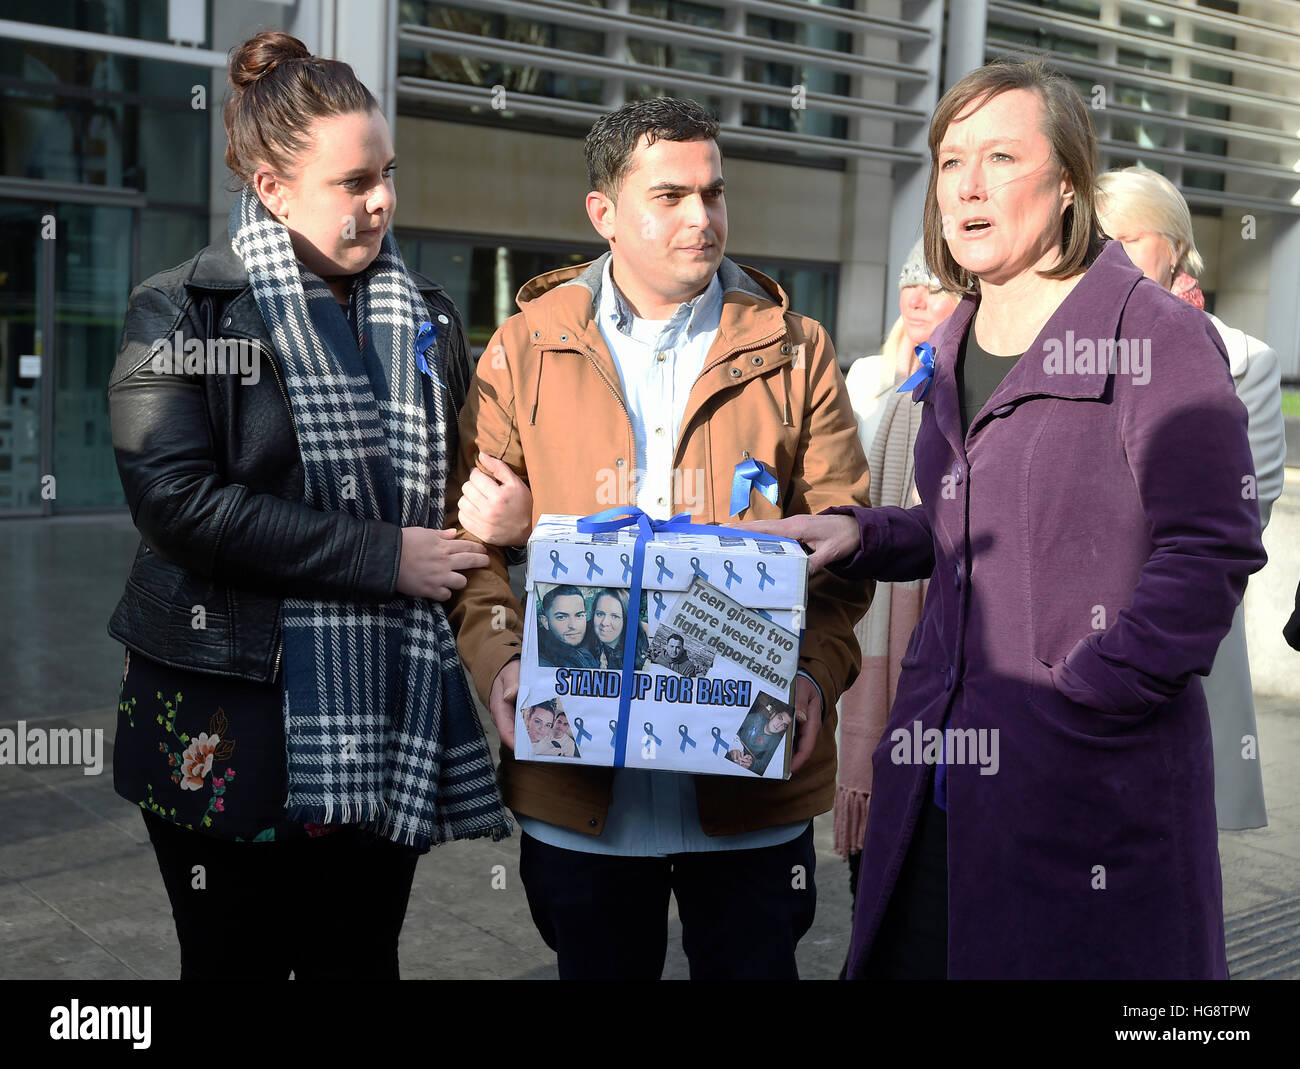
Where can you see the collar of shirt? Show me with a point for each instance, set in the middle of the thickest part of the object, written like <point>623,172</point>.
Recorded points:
<point>701,314</point>
<point>658,363</point>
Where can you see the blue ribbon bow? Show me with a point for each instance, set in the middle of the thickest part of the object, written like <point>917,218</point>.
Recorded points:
<point>426,334</point>
<point>583,733</point>
<point>558,565</point>
<point>922,376</point>
<point>751,475</point>
<point>718,744</point>
<point>686,737</point>
<point>763,577</point>
<point>629,516</point>
<point>592,566</point>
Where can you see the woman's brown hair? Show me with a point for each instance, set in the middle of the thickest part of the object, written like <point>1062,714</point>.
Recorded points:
<point>278,90</point>
<point>1068,128</point>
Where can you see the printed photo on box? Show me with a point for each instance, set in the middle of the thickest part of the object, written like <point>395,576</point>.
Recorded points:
<point>610,624</point>
<point>762,733</point>
<point>562,629</point>
<point>585,627</point>
<point>549,730</point>
<point>673,651</point>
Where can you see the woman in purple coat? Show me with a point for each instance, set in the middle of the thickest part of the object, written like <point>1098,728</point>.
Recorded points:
<point>1044,791</point>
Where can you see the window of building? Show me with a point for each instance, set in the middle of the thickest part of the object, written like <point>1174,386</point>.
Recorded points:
<point>676,57</point>
<point>104,120</point>
<point>512,75</point>
<point>1042,39</point>
<point>1129,57</point>
<point>143,20</point>
<point>1145,22</point>
<point>1087,9</point>
<point>708,16</point>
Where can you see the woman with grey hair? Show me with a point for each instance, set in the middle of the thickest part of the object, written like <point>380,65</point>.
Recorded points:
<point>1145,212</point>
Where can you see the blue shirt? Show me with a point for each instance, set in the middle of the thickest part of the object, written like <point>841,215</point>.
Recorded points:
<point>652,814</point>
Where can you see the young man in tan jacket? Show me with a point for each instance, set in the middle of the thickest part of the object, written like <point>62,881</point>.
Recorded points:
<point>645,378</point>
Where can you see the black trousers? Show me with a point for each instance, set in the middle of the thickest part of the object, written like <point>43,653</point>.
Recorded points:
<point>606,917</point>
<point>328,908</point>
<point>912,943</point>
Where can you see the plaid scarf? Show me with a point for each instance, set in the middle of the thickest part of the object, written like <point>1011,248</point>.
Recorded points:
<point>379,724</point>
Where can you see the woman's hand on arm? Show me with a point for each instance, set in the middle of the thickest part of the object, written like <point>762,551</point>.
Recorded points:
<point>496,505</point>
<point>431,562</point>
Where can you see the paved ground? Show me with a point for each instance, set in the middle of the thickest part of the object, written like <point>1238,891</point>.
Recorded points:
<point>81,898</point>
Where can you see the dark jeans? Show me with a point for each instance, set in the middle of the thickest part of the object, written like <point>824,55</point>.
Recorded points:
<point>606,917</point>
<point>327,908</point>
<point>912,943</point>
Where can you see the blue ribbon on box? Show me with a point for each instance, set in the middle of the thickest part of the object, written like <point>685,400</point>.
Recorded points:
<point>751,475</point>
<point>616,519</point>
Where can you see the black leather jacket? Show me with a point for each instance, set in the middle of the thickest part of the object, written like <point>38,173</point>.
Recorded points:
<point>214,478</point>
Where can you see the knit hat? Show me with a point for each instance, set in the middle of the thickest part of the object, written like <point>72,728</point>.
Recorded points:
<point>916,272</point>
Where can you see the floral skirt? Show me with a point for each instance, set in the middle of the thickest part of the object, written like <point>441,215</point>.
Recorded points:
<point>205,752</point>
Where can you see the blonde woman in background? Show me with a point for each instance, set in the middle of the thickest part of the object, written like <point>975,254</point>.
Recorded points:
<point>887,424</point>
<point>1144,211</point>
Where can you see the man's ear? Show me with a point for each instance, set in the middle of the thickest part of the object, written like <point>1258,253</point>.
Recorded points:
<point>541,619</point>
<point>602,212</point>
<point>272,192</point>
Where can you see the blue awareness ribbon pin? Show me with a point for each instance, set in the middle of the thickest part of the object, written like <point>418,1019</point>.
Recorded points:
<point>650,733</point>
<point>686,737</point>
<point>922,376</point>
<point>627,566</point>
<point>763,577</point>
<point>426,334</point>
<point>700,573</point>
<point>557,565</point>
<point>583,733</point>
<point>718,744</point>
<point>592,566</point>
<point>731,573</point>
<point>663,569</point>
<point>614,519</point>
<point>751,475</point>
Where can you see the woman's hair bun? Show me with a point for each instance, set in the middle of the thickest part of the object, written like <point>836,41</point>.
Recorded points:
<point>261,54</point>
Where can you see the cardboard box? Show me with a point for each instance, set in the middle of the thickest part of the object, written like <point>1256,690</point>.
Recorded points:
<point>714,657</point>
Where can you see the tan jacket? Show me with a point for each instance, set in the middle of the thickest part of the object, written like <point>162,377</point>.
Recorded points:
<point>547,400</point>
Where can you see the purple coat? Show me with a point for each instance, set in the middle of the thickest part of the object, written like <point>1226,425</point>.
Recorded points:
<point>1089,541</point>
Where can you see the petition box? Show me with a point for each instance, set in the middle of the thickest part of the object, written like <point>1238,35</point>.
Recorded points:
<point>707,685</point>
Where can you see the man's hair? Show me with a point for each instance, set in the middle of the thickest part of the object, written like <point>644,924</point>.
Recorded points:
<point>615,137</point>
<point>1068,128</point>
<point>676,636</point>
<point>565,591</point>
<point>549,706</point>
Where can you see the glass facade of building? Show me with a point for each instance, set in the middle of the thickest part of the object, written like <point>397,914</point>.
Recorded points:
<point>104,180</point>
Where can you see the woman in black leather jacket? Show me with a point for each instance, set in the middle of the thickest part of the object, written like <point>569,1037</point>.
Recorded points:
<point>283,410</point>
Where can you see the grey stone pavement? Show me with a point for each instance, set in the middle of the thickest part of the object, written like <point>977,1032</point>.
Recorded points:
<point>81,897</point>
